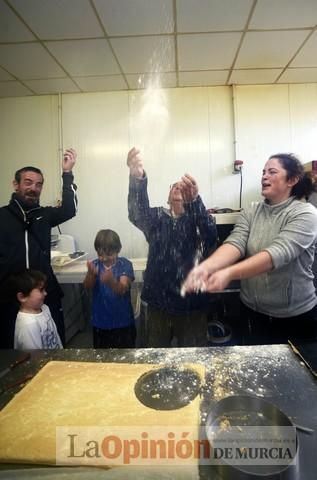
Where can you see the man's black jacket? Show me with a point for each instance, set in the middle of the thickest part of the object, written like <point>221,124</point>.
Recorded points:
<point>25,236</point>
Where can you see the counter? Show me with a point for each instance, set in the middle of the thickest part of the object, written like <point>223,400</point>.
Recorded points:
<point>76,271</point>
<point>273,373</point>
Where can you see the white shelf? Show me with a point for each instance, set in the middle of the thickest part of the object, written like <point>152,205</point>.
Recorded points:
<point>226,218</point>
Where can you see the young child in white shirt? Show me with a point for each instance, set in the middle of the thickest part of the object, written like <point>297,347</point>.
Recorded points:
<point>34,328</point>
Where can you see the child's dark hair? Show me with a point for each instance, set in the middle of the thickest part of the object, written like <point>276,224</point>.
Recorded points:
<point>18,173</point>
<point>107,242</point>
<point>294,168</point>
<point>26,281</point>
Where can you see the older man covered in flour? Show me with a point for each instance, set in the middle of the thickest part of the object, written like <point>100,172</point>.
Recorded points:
<point>178,237</point>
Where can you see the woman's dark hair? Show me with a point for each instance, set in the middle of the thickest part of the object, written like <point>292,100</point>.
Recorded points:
<point>17,175</point>
<point>294,168</point>
<point>107,242</point>
<point>25,282</point>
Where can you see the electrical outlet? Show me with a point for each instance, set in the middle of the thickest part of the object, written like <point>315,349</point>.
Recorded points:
<point>237,166</point>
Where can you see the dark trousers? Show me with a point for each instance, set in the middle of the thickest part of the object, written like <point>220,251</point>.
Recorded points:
<point>189,329</point>
<point>260,329</point>
<point>114,338</point>
<point>8,315</point>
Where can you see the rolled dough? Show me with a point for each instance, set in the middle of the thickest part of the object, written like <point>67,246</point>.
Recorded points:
<point>79,394</point>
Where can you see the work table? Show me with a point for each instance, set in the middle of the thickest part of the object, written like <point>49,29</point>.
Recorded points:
<point>273,373</point>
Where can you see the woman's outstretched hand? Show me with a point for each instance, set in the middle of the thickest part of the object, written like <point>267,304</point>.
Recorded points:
<point>196,281</point>
<point>201,280</point>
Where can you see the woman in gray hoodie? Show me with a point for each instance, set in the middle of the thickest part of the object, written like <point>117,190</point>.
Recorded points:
<point>271,250</point>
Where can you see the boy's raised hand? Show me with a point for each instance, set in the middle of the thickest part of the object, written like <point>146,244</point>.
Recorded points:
<point>135,163</point>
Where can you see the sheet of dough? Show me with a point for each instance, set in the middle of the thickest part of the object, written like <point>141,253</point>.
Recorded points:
<point>79,394</point>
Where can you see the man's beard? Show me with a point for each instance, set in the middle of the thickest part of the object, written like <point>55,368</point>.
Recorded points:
<point>28,200</point>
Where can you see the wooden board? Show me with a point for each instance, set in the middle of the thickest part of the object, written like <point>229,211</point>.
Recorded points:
<point>79,394</point>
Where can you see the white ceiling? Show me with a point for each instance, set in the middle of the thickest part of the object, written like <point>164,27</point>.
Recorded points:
<point>52,46</point>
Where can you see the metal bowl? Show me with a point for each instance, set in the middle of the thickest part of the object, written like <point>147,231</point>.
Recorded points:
<point>233,421</point>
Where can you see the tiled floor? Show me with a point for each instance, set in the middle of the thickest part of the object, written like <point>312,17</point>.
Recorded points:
<point>81,339</point>
<point>84,339</point>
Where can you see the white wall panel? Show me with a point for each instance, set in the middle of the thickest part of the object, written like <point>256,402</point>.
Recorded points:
<point>178,130</point>
<point>170,127</point>
<point>262,120</point>
<point>223,185</point>
<point>29,136</point>
<point>97,126</point>
<point>303,120</point>
<point>189,138</point>
<point>173,141</point>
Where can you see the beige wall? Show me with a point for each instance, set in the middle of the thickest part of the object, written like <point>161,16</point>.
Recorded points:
<point>29,136</point>
<point>193,130</point>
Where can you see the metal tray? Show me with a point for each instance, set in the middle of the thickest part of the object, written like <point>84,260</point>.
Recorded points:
<point>64,259</point>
